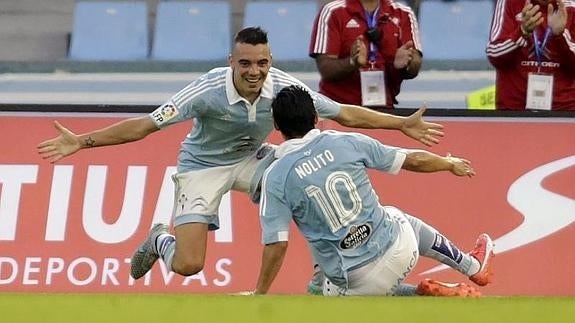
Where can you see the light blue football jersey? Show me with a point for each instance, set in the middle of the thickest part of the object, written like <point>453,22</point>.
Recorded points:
<point>227,127</point>
<point>321,182</point>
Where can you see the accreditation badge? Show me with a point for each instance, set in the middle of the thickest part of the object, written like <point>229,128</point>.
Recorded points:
<point>539,91</point>
<point>372,88</point>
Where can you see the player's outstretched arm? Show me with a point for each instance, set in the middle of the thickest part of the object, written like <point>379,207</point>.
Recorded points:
<point>413,126</point>
<point>272,260</point>
<point>428,133</point>
<point>57,148</point>
<point>427,162</point>
<point>67,142</point>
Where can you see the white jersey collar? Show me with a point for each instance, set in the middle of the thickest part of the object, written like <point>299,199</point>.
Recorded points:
<point>296,143</point>
<point>233,95</point>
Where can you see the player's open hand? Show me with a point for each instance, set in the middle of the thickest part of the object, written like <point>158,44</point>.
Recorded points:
<point>427,133</point>
<point>461,167</point>
<point>57,148</point>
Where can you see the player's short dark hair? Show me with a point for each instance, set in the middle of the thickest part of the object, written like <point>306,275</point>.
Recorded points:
<point>252,36</point>
<point>294,112</point>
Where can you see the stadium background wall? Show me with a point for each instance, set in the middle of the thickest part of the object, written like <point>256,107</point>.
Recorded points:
<point>71,227</point>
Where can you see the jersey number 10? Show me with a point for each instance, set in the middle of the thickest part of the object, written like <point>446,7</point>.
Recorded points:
<point>331,200</point>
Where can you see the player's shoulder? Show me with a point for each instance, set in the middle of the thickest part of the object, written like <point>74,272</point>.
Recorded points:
<point>214,78</point>
<point>276,173</point>
<point>570,4</point>
<point>274,168</point>
<point>345,140</point>
<point>208,85</point>
<point>276,72</point>
<point>332,133</point>
<point>284,162</point>
<point>282,79</point>
<point>216,73</point>
<point>343,135</point>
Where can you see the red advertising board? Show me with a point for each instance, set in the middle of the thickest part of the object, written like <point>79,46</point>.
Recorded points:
<point>72,226</point>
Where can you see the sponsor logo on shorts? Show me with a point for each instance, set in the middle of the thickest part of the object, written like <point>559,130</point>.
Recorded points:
<point>356,236</point>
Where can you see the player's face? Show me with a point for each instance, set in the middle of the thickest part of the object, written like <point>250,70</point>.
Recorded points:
<point>250,65</point>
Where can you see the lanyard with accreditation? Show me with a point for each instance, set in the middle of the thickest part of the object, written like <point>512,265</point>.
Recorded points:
<point>372,80</point>
<point>539,86</point>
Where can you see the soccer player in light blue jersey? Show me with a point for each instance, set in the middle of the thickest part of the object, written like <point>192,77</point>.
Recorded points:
<point>231,109</point>
<point>320,182</point>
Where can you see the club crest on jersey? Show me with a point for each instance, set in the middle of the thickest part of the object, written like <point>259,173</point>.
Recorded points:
<point>165,112</point>
<point>356,236</point>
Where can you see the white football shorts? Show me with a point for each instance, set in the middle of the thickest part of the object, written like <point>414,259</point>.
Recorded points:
<point>198,193</point>
<point>384,274</point>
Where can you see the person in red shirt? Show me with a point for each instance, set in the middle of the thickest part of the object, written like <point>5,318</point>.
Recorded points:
<point>532,75</point>
<point>352,36</point>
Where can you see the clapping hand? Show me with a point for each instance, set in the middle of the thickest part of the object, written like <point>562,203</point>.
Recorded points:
<point>557,19</point>
<point>531,17</point>
<point>358,52</point>
<point>404,55</point>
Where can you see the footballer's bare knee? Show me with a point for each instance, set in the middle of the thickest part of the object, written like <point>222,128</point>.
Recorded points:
<point>191,241</point>
<point>188,267</point>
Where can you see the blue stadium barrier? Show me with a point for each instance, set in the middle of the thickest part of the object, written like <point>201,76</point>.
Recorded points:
<point>455,29</point>
<point>289,25</point>
<point>192,30</point>
<point>109,30</point>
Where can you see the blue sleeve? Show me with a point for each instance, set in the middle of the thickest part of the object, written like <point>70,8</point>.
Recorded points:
<point>182,106</point>
<point>275,214</point>
<point>376,155</point>
<point>326,107</point>
<point>165,115</point>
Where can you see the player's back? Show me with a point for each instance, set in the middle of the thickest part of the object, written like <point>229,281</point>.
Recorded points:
<point>333,202</point>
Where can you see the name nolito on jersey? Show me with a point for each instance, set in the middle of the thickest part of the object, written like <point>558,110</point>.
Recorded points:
<point>315,163</point>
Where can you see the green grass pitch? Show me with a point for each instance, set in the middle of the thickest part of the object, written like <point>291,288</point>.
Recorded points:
<point>169,308</point>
